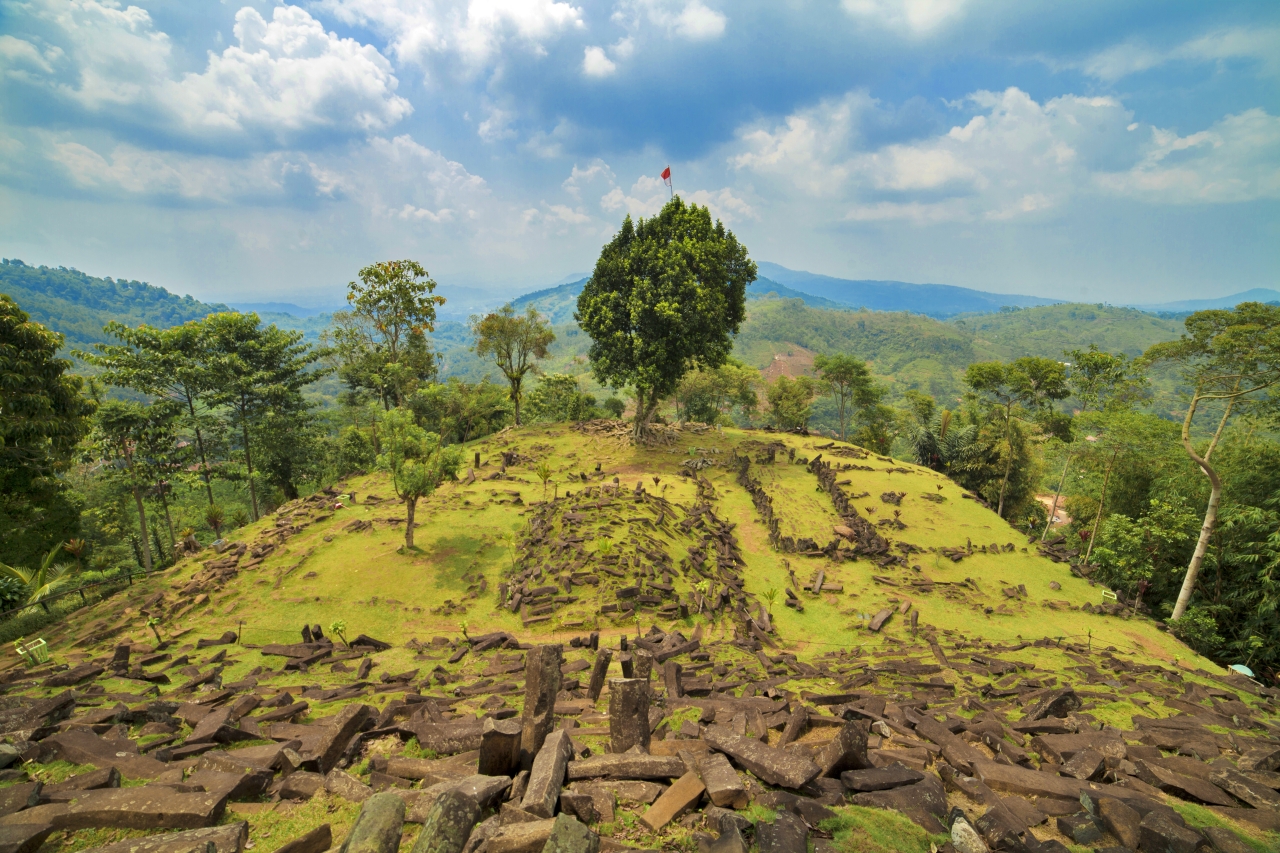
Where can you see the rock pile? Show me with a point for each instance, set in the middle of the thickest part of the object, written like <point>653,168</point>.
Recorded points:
<point>685,735</point>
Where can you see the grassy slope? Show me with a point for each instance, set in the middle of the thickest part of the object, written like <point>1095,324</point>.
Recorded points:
<point>364,579</point>
<point>324,574</point>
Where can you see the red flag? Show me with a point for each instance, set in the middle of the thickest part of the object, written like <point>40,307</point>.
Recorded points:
<point>666,176</point>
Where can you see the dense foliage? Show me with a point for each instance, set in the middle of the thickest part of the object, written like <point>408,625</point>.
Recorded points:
<point>668,294</point>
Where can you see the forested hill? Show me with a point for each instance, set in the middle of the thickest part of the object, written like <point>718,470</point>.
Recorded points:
<point>79,305</point>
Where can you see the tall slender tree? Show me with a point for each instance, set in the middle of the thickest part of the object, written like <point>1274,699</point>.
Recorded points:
<point>381,341</point>
<point>135,443</point>
<point>1230,358</point>
<point>1032,382</point>
<point>515,342</point>
<point>164,363</point>
<point>253,372</point>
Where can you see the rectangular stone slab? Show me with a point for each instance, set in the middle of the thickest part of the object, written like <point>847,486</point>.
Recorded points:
<point>225,839</point>
<point>1026,782</point>
<point>148,807</point>
<point>774,766</point>
<point>682,795</point>
<point>724,786</point>
<point>627,766</point>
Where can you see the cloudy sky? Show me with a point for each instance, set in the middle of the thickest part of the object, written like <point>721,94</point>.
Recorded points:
<point>1118,151</point>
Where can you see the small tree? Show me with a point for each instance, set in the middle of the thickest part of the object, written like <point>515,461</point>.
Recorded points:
<point>668,294</point>
<point>789,401</point>
<point>849,381</point>
<point>1228,357</point>
<point>544,474</point>
<point>1032,382</point>
<point>381,341</point>
<point>514,341</point>
<point>417,462</point>
<point>709,395</point>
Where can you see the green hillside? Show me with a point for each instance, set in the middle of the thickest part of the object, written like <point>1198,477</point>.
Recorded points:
<point>79,305</point>
<point>905,596</point>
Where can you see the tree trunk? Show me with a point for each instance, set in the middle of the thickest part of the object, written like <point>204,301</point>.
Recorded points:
<point>248,463</point>
<point>142,525</point>
<point>515,398</point>
<point>410,508</point>
<point>1102,501</point>
<point>844,433</point>
<point>1056,497</point>
<point>644,413</point>
<point>164,502</point>
<point>204,462</point>
<point>1211,511</point>
<point>1008,463</point>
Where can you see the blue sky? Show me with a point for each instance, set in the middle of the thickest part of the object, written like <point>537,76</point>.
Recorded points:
<point>247,151</point>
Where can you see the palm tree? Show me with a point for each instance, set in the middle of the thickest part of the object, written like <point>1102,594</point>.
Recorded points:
<point>75,547</point>
<point>544,474</point>
<point>43,582</point>
<point>771,595</point>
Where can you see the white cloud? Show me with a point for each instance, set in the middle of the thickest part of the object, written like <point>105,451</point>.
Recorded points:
<point>596,64</point>
<point>917,17</point>
<point>688,19</point>
<point>596,171</point>
<point>475,30</point>
<point>390,179</point>
<point>284,78</point>
<point>1235,160</point>
<point>1132,57</point>
<point>724,204</point>
<point>127,171</point>
<point>647,196</point>
<point>496,125</point>
<point>19,58</point>
<point>1016,158</point>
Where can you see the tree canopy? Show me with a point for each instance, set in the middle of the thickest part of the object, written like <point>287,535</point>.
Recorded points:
<point>42,417</point>
<point>668,294</point>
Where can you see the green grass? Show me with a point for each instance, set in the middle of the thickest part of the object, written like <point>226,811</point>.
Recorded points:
<point>859,829</point>
<point>1197,816</point>
<point>271,829</point>
<point>57,771</point>
<point>365,579</point>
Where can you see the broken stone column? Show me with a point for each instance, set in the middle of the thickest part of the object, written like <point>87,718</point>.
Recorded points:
<point>547,775</point>
<point>598,673</point>
<point>671,678</point>
<point>541,685</point>
<point>377,827</point>
<point>449,823</point>
<point>569,835</point>
<point>628,714</point>
<point>499,747</point>
<point>643,664</point>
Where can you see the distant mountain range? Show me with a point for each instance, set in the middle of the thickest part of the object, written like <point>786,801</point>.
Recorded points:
<point>1186,306</point>
<point>79,305</point>
<point>933,300</point>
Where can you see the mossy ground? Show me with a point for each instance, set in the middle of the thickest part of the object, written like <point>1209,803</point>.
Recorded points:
<point>371,582</point>
<point>467,533</point>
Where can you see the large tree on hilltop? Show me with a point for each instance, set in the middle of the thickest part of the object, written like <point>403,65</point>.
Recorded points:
<point>1229,357</point>
<point>668,294</point>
